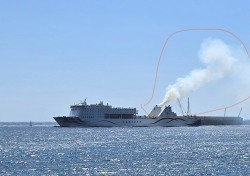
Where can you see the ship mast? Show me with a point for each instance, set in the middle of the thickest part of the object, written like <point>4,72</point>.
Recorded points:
<point>179,103</point>
<point>240,112</point>
<point>188,108</point>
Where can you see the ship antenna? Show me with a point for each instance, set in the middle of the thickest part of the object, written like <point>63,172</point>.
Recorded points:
<point>85,101</point>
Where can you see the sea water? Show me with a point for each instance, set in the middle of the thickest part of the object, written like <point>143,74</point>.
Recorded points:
<point>46,150</point>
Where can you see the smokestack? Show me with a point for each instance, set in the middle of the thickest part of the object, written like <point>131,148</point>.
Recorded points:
<point>155,111</point>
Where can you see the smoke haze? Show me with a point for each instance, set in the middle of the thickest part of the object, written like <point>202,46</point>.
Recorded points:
<point>218,60</point>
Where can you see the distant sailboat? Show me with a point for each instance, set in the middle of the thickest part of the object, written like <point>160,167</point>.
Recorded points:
<point>30,123</point>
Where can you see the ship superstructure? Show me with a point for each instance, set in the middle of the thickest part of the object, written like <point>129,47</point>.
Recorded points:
<point>100,115</point>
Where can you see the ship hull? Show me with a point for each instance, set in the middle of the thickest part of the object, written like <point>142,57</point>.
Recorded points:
<point>137,122</point>
<point>217,120</point>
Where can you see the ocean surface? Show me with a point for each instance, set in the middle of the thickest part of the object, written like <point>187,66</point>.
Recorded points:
<point>46,150</point>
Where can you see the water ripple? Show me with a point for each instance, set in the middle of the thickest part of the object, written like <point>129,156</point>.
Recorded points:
<point>46,150</point>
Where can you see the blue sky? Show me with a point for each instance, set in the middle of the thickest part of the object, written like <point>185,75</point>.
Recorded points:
<point>57,53</point>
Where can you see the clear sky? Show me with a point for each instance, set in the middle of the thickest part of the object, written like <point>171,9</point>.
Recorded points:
<point>55,53</point>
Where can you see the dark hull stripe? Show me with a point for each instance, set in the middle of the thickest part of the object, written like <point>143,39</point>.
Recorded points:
<point>171,119</point>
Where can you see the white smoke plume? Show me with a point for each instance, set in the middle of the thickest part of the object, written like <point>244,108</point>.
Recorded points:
<point>219,61</point>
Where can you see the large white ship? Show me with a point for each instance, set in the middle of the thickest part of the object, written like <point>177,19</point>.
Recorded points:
<point>100,115</point>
